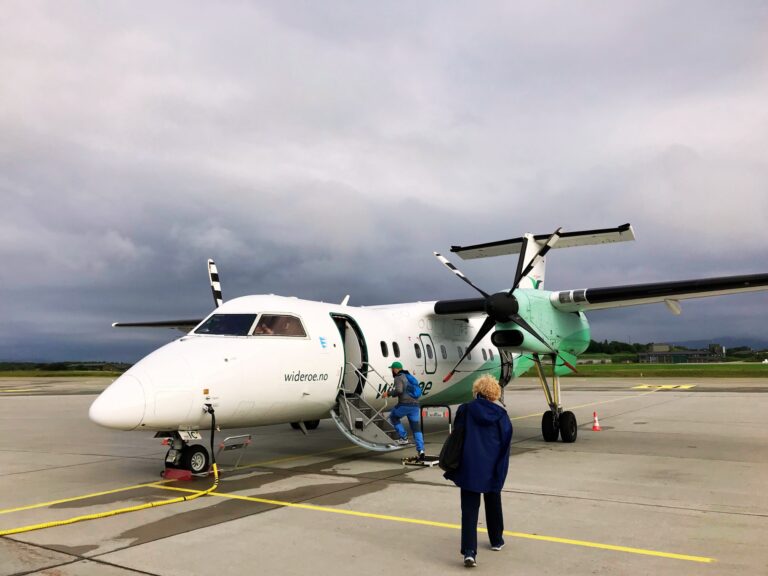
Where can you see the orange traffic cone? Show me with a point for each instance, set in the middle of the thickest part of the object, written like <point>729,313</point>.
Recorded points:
<point>595,423</point>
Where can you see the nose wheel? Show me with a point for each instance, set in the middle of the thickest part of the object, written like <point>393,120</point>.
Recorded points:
<point>195,459</point>
<point>185,456</point>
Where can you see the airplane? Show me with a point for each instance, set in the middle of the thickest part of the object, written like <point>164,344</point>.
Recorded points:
<point>266,359</point>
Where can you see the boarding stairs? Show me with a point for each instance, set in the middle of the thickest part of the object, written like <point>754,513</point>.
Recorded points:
<point>360,422</point>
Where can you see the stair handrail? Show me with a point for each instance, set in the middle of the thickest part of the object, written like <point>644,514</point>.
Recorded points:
<point>364,379</point>
<point>372,369</point>
<point>364,376</point>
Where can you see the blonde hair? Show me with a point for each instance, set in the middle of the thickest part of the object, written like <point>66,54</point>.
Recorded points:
<point>488,386</point>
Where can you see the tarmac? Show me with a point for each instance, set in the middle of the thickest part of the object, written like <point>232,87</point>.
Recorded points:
<point>675,483</point>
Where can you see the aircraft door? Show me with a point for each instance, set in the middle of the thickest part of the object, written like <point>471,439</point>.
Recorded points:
<point>430,354</point>
<point>355,354</point>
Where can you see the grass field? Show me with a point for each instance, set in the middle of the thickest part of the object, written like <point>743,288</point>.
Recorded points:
<point>725,370</point>
<point>58,374</point>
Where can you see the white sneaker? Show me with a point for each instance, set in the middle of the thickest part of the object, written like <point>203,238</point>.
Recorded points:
<point>402,441</point>
<point>497,548</point>
<point>469,561</point>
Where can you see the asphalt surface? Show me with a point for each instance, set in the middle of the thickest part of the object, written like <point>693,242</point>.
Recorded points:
<point>673,484</point>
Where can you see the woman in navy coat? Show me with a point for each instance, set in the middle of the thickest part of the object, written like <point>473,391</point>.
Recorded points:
<point>484,464</point>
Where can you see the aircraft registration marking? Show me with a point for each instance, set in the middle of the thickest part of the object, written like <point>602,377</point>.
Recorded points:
<point>664,387</point>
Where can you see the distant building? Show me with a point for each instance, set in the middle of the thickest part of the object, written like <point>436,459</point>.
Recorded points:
<point>665,354</point>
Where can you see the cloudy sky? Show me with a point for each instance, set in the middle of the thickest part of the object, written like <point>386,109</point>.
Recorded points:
<point>318,149</point>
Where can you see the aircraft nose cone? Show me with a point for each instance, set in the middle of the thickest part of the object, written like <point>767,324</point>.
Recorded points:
<point>121,405</point>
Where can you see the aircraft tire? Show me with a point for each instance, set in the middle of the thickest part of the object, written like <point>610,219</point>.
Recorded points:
<point>311,424</point>
<point>568,427</point>
<point>548,428</point>
<point>195,459</point>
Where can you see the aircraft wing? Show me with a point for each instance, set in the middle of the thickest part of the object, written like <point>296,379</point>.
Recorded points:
<point>183,325</point>
<point>668,292</point>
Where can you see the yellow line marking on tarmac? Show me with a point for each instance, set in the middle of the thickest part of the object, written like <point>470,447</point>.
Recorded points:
<point>299,457</point>
<point>117,511</point>
<point>418,521</point>
<point>273,461</point>
<point>664,386</point>
<point>84,497</point>
<point>20,390</point>
<point>160,483</point>
<point>589,404</point>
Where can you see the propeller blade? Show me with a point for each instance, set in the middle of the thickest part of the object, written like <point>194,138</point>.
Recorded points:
<point>458,272</point>
<point>520,321</point>
<point>548,245</point>
<point>484,329</point>
<point>213,278</point>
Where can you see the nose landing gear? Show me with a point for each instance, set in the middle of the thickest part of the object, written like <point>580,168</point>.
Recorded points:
<point>185,456</point>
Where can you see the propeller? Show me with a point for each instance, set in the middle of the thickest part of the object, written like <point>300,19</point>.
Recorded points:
<point>502,307</point>
<point>548,245</point>
<point>213,277</point>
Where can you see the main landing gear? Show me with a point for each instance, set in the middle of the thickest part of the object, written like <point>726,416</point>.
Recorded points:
<point>185,456</point>
<point>555,422</point>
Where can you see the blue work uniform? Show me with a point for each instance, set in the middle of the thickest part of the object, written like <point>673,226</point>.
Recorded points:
<point>407,406</point>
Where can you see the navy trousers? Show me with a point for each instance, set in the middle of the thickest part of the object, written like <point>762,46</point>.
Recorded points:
<point>494,519</point>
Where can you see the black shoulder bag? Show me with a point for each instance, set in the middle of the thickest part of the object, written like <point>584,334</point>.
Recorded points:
<point>452,451</point>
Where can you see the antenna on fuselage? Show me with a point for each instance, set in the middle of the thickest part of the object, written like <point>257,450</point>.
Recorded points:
<point>346,299</point>
<point>213,277</point>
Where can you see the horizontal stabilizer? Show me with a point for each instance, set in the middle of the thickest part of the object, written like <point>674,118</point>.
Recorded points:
<point>183,325</point>
<point>621,233</point>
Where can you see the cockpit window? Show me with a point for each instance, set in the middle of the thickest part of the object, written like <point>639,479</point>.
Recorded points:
<point>279,325</point>
<point>227,324</point>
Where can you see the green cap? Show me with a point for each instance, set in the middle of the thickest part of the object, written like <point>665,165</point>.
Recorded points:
<point>397,365</point>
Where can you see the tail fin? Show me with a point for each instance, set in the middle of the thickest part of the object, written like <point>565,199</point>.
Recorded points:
<point>621,233</point>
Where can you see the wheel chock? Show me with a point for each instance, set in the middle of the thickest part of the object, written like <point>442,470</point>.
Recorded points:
<point>176,474</point>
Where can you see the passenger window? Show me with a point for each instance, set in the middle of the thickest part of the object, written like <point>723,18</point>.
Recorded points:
<point>418,350</point>
<point>227,325</point>
<point>396,349</point>
<point>430,354</point>
<point>384,350</point>
<point>469,355</point>
<point>458,348</point>
<point>279,325</point>
<point>443,352</point>
<point>485,356</point>
<point>490,351</point>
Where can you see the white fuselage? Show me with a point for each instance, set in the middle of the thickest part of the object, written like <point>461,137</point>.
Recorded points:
<point>255,380</point>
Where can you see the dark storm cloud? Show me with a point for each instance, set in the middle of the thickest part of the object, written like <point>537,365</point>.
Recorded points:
<point>323,149</point>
